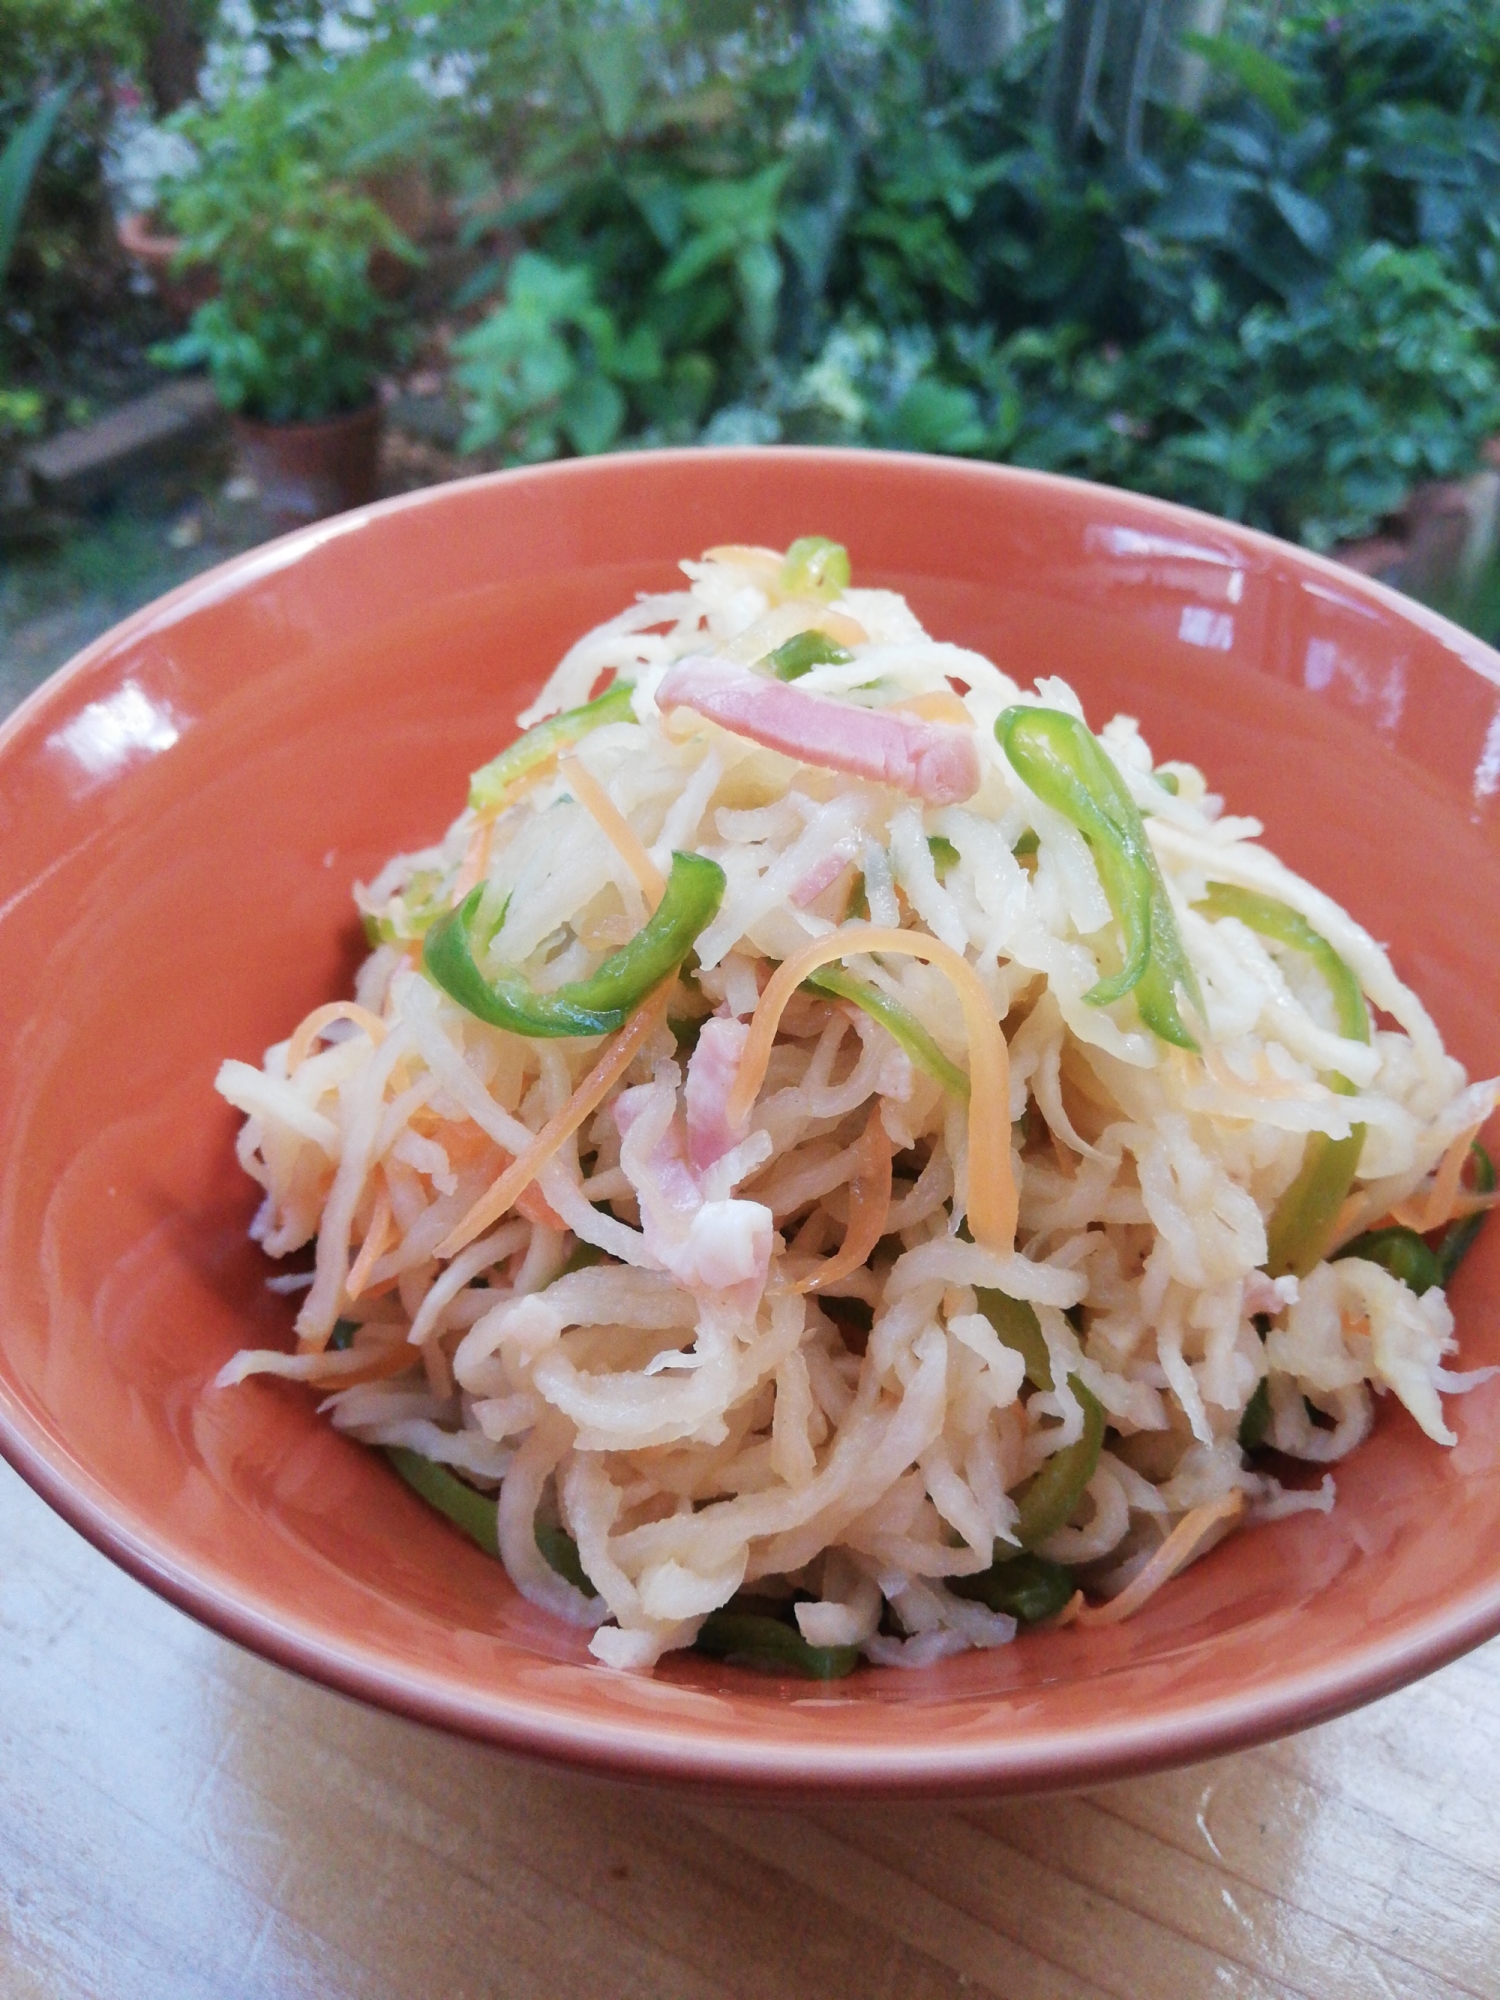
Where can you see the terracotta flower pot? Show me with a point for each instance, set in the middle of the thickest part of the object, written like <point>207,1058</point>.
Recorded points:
<point>1451,531</point>
<point>155,251</point>
<point>304,471</point>
<point>1380,556</point>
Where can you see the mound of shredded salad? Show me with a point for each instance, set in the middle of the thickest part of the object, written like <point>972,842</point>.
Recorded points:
<point>832,1160</point>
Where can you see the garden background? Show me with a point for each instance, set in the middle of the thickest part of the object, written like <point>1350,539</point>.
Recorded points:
<point>1242,253</point>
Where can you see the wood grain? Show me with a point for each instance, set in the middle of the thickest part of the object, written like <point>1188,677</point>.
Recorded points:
<point>179,1819</point>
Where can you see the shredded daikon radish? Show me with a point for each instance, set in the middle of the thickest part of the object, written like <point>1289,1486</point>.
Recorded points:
<point>714,1295</point>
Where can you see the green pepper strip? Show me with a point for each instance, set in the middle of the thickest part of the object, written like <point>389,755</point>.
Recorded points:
<point>756,1639</point>
<point>1064,765</point>
<point>1255,1420</point>
<point>1018,1328</point>
<point>1303,1219</point>
<point>474,1512</point>
<point>477,1513</point>
<point>1028,1587</point>
<point>560,1553</point>
<point>944,855</point>
<point>903,1028</point>
<point>1048,1502</point>
<point>422,902</point>
<point>489,784</point>
<point>1286,926</point>
<point>1401,1252</point>
<point>1459,1237</point>
<point>582,1256</point>
<point>607,998</point>
<point>803,652</point>
<point>815,567</point>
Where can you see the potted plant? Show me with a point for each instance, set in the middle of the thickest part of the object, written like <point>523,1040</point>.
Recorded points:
<point>362,120</point>
<point>296,336</point>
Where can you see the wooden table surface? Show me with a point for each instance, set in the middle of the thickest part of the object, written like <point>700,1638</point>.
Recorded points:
<point>180,1819</point>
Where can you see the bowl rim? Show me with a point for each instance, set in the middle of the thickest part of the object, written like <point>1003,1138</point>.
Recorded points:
<point>632,1745</point>
<point>636,1747</point>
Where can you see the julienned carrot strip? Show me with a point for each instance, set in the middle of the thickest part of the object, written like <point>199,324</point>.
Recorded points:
<point>808,1241</point>
<point>869,1207</point>
<point>383,1289</point>
<point>1438,1207</point>
<point>377,1236</point>
<point>1466,1203</point>
<point>846,630</point>
<point>535,1207</point>
<point>400,1358</point>
<point>308,1030</point>
<point>465,1144</point>
<point>992,1188</point>
<point>589,1095</point>
<point>613,824</point>
<point>747,555</point>
<point>1175,1553</point>
<point>439,1368</point>
<point>1350,1219</point>
<point>937,705</point>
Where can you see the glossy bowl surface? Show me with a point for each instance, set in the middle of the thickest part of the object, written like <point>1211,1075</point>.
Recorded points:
<point>185,809</point>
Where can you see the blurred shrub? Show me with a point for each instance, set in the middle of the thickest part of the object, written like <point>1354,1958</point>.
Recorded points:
<point>63,265</point>
<point>553,368</point>
<point>21,155</point>
<point>21,415</point>
<point>759,221</point>
<point>279,205</point>
<point>1311,418</point>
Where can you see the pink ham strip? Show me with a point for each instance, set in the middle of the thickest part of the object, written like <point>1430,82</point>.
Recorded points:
<point>822,877</point>
<point>927,760</point>
<point>710,1078</point>
<point>721,1246</point>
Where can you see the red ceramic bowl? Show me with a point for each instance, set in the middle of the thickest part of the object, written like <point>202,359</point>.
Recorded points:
<point>185,809</point>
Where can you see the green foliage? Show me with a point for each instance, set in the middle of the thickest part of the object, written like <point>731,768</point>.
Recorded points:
<point>57,273</point>
<point>762,221</point>
<point>551,366</point>
<point>699,163</point>
<point>1312,419</point>
<point>278,207</point>
<point>1264,80</point>
<point>19,160</point>
<point>21,414</point>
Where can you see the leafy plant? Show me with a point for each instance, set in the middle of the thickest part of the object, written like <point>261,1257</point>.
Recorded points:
<point>21,414</point>
<point>60,277</point>
<point>1389,377</point>
<point>19,161</point>
<point>551,366</point>
<point>22,411</point>
<point>1279,305</point>
<point>276,205</point>
<point>1312,419</point>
